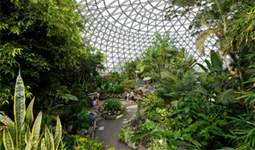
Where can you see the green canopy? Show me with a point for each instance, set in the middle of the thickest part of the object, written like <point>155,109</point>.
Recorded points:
<point>69,96</point>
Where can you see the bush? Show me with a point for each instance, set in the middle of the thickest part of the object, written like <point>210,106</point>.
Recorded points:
<point>152,115</point>
<point>82,119</point>
<point>128,84</point>
<point>122,133</point>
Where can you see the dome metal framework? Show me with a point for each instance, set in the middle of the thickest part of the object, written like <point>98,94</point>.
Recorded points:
<point>123,29</point>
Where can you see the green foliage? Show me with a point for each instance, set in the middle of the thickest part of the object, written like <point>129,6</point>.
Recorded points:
<point>45,38</point>
<point>128,84</point>
<point>152,114</point>
<point>121,136</point>
<point>80,142</point>
<point>82,119</point>
<point>19,135</point>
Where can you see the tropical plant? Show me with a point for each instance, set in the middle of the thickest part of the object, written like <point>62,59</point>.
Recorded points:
<point>18,134</point>
<point>214,15</point>
<point>82,119</point>
<point>45,37</point>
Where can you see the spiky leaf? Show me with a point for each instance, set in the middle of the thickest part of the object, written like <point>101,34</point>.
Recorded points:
<point>60,147</point>
<point>36,129</point>
<point>43,144</point>
<point>49,139</point>
<point>29,118</point>
<point>7,139</point>
<point>58,133</point>
<point>19,105</point>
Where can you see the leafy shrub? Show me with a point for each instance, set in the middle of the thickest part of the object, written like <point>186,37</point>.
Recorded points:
<point>122,133</point>
<point>112,106</point>
<point>128,84</point>
<point>82,119</point>
<point>152,115</point>
<point>82,143</point>
<point>155,101</point>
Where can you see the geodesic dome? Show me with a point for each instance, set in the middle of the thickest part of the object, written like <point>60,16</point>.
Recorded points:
<point>123,29</point>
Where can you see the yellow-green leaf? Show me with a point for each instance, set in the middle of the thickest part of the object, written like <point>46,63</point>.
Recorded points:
<point>29,118</point>
<point>58,133</point>
<point>36,129</point>
<point>19,105</point>
<point>7,139</point>
<point>49,139</point>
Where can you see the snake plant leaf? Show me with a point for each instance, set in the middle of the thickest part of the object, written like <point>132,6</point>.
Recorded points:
<point>58,133</point>
<point>38,145</point>
<point>36,129</point>
<point>28,139</point>
<point>19,106</point>
<point>23,135</point>
<point>29,118</point>
<point>43,144</point>
<point>49,139</point>
<point>6,120</point>
<point>60,147</point>
<point>7,139</point>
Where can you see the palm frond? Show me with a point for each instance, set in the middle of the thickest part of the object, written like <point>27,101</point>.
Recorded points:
<point>226,96</point>
<point>202,37</point>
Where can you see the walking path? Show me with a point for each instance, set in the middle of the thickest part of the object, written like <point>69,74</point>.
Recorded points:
<point>107,130</point>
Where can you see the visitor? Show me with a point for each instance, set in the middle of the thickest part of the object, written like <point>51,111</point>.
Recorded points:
<point>92,126</point>
<point>98,95</point>
<point>132,96</point>
<point>127,97</point>
<point>95,102</point>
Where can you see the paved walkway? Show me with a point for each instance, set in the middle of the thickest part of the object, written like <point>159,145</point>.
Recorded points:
<point>107,130</point>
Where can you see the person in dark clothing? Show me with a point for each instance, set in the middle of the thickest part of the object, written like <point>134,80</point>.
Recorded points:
<point>92,126</point>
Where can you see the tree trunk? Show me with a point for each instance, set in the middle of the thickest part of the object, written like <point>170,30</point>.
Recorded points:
<point>227,64</point>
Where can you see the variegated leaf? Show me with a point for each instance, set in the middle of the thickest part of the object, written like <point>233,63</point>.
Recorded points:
<point>7,139</point>
<point>29,118</point>
<point>19,106</point>
<point>58,133</point>
<point>36,129</point>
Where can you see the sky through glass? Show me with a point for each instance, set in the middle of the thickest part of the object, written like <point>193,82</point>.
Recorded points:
<point>123,29</point>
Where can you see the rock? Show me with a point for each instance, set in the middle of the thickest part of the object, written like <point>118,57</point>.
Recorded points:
<point>119,116</point>
<point>69,128</point>
<point>97,111</point>
<point>84,131</point>
<point>132,145</point>
<point>141,147</point>
<point>114,117</point>
<point>99,119</point>
<point>108,117</point>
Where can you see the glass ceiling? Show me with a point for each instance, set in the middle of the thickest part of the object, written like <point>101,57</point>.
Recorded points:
<point>123,29</point>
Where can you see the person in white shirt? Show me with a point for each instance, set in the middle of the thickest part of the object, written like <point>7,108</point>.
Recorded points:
<point>127,97</point>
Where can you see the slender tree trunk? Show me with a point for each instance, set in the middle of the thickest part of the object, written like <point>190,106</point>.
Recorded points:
<point>227,64</point>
